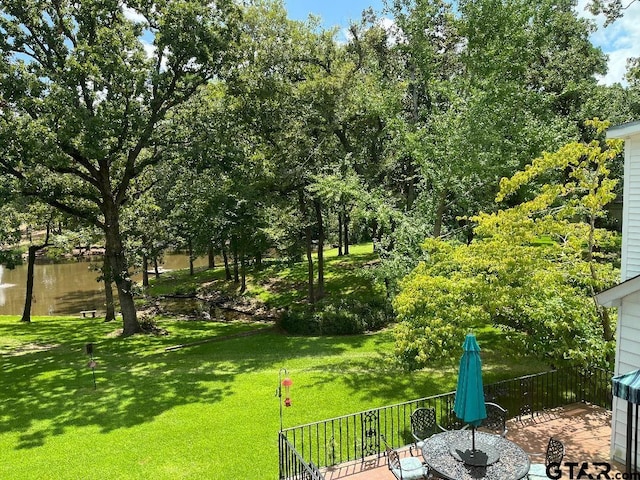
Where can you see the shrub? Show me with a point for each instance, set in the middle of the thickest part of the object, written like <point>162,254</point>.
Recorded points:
<point>337,317</point>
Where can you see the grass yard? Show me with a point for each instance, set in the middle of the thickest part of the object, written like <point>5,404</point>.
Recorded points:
<point>202,412</point>
<point>279,284</point>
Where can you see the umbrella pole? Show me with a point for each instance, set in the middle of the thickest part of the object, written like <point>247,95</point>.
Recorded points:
<point>473,439</point>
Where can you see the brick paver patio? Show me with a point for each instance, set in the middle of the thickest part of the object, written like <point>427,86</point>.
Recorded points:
<point>585,431</point>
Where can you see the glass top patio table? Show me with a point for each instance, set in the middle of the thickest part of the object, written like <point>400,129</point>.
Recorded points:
<point>447,454</point>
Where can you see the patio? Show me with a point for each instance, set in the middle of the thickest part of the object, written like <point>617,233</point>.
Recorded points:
<point>584,429</point>
<point>571,404</point>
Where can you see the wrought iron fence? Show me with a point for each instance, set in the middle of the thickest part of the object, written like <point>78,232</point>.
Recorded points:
<point>358,436</point>
<point>293,464</point>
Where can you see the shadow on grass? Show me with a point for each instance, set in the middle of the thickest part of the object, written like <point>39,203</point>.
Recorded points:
<point>50,391</point>
<point>45,393</point>
<point>286,284</point>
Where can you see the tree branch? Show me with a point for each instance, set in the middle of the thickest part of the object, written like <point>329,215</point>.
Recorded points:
<point>66,208</point>
<point>123,132</point>
<point>77,156</point>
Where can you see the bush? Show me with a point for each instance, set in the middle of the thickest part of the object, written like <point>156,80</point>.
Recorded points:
<point>185,290</point>
<point>338,317</point>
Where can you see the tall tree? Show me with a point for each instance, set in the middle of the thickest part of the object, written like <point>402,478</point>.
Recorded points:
<point>9,224</point>
<point>611,9</point>
<point>533,269</point>
<point>84,99</point>
<point>490,85</point>
<point>37,217</point>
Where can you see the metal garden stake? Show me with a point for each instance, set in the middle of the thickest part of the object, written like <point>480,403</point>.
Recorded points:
<point>92,364</point>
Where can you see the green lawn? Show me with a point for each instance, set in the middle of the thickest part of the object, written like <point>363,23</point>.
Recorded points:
<point>207,411</point>
<point>280,284</point>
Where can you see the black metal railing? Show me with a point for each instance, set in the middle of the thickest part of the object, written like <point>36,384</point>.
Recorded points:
<point>357,436</point>
<point>293,464</point>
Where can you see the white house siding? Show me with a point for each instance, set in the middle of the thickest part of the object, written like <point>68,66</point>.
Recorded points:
<point>627,360</point>
<point>627,300</point>
<point>619,430</point>
<point>631,209</point>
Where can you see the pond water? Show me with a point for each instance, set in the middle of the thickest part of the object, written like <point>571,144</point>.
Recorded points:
<point>66,288</point>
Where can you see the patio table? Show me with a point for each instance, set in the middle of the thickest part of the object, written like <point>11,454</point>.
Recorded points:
<point>497,458</point>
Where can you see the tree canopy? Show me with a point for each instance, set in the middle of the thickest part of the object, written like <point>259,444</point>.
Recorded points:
<point>226,127</point>
<point>87,108</point>
<point>533,268</point>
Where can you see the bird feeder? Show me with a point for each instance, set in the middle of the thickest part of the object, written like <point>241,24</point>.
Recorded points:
<point>286,383</point>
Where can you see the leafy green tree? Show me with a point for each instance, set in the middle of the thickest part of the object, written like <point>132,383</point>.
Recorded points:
<point>611,9</point>
<point>489,85</point>
<point>533,269</point>
<point>87,107</point>
<point>145,222</point>
<point>633,71</point>
<point>36,215</point>
<point>9,225</point>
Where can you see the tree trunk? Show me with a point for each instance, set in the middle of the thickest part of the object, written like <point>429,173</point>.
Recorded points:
<point>234,246</point>
<point>26,313</point>
<point>156,268</point>
<point>608,331</point>
<point>191,271</point>
<point>107,278</point>
<point>320,223</point>
<point>120,270</point>
<point>31,262</point>
<point>340,234</point>
<point>225,258</point>
<point>308,244</point>
<point>345,217</point>
<point>145,271</point>
<point>212,257</point>
<point>437,224</point>
<point>243,271</point>
<point>387,288</point>
<point>374,235</point>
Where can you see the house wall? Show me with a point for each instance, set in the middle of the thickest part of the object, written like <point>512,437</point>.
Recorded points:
<point>628,331</point>
<point>627,360</point>
<point>631,209</point>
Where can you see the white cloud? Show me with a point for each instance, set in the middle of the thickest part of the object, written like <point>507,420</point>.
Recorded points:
<point>149,48</point>
<point>396,35</point>
<point>618,66</point>
<point>133,15</point>
<point>619,40</point>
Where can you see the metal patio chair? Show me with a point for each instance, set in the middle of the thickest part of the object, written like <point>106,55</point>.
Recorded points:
<point>496,421</point>
<point>554,454</point>
<point>452,422</point>
<point>408,468</point>
<point>423,425</point>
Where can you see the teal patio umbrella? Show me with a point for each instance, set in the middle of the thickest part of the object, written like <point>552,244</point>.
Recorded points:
<point>469,402</point>
<point>627,387</point>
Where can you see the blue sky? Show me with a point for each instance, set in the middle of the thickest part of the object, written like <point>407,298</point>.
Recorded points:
<point>333,12</point>
<point>620,40</point>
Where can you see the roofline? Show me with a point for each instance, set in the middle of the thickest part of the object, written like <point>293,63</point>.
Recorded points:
<point>624,130</point>
<point>613,296</point>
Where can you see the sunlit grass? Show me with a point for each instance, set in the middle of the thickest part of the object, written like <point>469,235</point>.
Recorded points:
<point>206,411</point>
<point>280,284</point>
